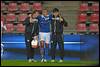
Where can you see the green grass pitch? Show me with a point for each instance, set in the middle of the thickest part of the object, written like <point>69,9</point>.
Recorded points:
<point>48,63</point>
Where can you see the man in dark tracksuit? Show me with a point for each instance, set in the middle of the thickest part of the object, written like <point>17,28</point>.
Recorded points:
<point>57,34</point>
<point>31,30</point>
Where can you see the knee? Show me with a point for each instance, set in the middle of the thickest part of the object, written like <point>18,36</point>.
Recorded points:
<point>42,44</point>
<point>47,45</point>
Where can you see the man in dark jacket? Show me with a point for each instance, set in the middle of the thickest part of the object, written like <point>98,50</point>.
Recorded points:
<point>57,34</point>
<point>31,30</point>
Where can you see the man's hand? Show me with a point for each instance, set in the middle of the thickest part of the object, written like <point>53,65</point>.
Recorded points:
<point>31,20</point>
<point>61,19</point>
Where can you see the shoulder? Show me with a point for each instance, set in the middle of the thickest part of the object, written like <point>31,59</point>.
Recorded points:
<point>39,17</point>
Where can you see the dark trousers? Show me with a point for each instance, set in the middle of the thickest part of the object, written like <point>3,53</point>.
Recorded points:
<point>57,38</point>
<point>29,49</point>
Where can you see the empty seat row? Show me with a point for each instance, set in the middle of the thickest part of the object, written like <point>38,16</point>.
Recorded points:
<point>21,17</point>
<point>92,28</point>
<point>85,7</point>
<point>93,18</point>
<point>12,17</point>
<point>11,7</point>
<point>19,28</point>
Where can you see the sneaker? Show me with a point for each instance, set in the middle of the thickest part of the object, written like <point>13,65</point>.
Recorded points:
<point>42,60</point>
<point>45,60</point>
<point>60,61</point>
<point>52,61</point>
<point>31,60</point>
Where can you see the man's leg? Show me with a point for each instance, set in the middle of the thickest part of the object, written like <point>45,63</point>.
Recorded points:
<point>42,49</point>
<point>47,42</point>
<point>41,36</point>
<point>30,51</point>
<point>53,48</point>
<point>61,46</point>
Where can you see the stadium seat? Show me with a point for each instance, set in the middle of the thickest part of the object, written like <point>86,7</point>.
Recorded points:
<point>94,18</point>
<point>94,28</point>
<point>84,7</point>
<point>82,18</point>
<point>95,7</point>
<point>10,28</point>
<point>22,17</point>
<point>2,18</point>
<point>24,7</point>
<point>7,2</point>
<point>10,17</point>
<point>12,7</point>
<point>19,2</point>
<point>20,28</point>
<point>37,6</point>
<point>81,28</point>
<point>90,3</point>
<point>3,6</point>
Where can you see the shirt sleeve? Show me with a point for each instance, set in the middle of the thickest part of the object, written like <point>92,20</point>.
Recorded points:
<point>26,22</point>
<point>50,16</point>
<point>64,22</point>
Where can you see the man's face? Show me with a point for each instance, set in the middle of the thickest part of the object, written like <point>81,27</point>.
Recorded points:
<point>35,15</point>
<point>56,13</point>
<point>45,12</point>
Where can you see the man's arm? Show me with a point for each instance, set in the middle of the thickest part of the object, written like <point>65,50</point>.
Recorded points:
<point>26,22</point>
<point>65,23</point>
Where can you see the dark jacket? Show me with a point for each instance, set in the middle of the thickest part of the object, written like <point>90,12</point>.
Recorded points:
<point>57,27</point>
<point>32,28</point>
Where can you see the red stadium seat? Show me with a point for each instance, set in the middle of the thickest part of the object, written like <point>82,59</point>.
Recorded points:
<point>81,28</point>
<point>94,28</point>
<point>95,7</point>
<point>2,18</point>
<point>82,18</point>
<point>84,7</point>
<point>22,17</point>
<point>20,28</point>
<point>3,6</point>
<point>24,7</point>
<point>12,7</point>
<point>10,17</point>
<point>94,18</point>
<point>10,28</point>
<point>37,6</point>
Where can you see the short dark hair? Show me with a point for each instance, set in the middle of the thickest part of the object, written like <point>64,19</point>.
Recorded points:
<point>55,10</point>
<point>45,9</point>
<point>34,12</point>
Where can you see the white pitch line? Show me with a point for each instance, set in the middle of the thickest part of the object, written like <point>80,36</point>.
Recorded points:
<point>64,42</point>
<point>73,42</point>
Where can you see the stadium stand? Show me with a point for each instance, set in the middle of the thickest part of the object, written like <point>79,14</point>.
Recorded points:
<point>21,17</point>
<point>68,11</point>
<point>10,17</point>
<point>24,7</point>
<point>2,18</point>
<point>94,18</point>
<point>91,20</point>
<point>81,27</point>
<point>82,17</point>
<point>37,6</point>
<point>10,28</point>
<point>12,7</point>
<point>84,7</point>
<point>20,28</point>
<point>94,28</point>
<point>3,6</point>
<point>95,7</point>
